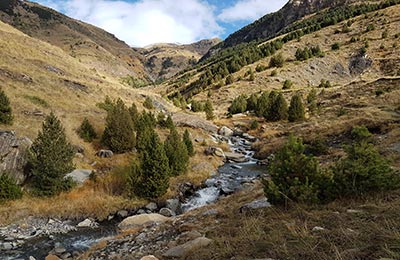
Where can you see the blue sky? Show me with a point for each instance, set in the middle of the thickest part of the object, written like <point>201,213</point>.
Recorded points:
<point>143,22</point>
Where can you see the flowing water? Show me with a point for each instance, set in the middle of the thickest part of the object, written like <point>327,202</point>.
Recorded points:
<point>230,177</point>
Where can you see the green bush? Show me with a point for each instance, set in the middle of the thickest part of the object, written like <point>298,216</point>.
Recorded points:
<point>86,131</point>
<point>296,109</point>
<point>6,116</point>
<point>325,84</point>
<point>208,108</point>
<point>37,100</point>
<point>148,103</point>
<point>335,46</point>
<point>370,27</point>
<point>188,142</point>
<point>312,101</point>
<point>260,68</point>
<point>239,105</point>
<point>295,176</point>
<point>254,125</point>
<point>51,158</point>
<point>9,190</point>
<point>277,61</point>
<point>363,170</point>
<point>287,84</point>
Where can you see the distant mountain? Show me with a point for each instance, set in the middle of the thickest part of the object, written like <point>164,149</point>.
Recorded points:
<point>91,45</point>
<point>271,24</point>
<point>164,60</point>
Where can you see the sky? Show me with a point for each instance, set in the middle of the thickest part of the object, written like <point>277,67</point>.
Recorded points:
<point>144,22</point>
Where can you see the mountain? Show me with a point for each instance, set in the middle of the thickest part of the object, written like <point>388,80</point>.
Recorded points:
<point>91,45</point>
<point>272,24</point>
<point>164,60</point>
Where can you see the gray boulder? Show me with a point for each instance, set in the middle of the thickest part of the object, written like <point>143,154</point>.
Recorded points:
<point>174,205</point>
<point>79,176</point>
<point>152,206</point>
<point>105,154</point>
<point>189,247</point>
<point>257,204</point>
<point>236,157</point>
<point>167,212</point>
<point>13,154</point>
<point>225,131</point>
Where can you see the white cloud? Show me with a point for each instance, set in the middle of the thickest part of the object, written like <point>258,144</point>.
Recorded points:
<point>250,10</point>
<point>147,21</point>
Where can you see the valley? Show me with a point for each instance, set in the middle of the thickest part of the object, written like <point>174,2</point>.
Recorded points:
<point>258,176</point>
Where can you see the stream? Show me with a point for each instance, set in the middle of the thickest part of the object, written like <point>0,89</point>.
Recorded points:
<point>230,177</point>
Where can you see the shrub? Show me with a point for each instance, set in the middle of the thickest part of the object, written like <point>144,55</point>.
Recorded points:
<point>287,84</point>
<point>274,73</point>
<point>148,103</point>
<point>197,106</point>
<point>254,125</point>
<point>37,100</point>
<point>208,108</point>
<point>312,101</point>
<point>229,80</point>
<point>296,109</point>
<point>252,102</point>
<point>277,61</point>
<point>86,131</point>
<point>325,84</point>
<point>6,116</point>
<point>50,158</point>
<point>260,68</point>
<point>370,27</point>
<point>278,109</point>
<point>295,176</point>
<point>9,190</point>
<point>239,105</point>
<point>363,170</point>
<point>335,46</point>
<point>118,134</point>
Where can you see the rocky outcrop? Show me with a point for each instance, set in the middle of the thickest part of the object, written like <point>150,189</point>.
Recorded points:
<point>186,120</point>
<point>257,204</point>
<point>188,247</point>
<point>142,220</point>
<point>79,176</point>
<point>13,155</point>
<point>105,154</point>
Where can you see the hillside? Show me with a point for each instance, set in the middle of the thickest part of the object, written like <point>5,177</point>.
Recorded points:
<point>165,60</point>
<point>96,48</point>
<point>274,24</point>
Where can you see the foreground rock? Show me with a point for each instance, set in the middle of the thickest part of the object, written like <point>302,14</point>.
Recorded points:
<point>185,249</point>
<point>13,154</point>
<point>142,220</point>
<point>79,176</point>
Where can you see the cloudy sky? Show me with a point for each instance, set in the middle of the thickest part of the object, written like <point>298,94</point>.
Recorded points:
<point>143,22</point>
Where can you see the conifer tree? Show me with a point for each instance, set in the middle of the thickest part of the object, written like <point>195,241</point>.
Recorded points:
<point>169,123</point>
<point>51,158</point>
<point>118,134</point>
<point>86,131</point>
<point>296,109</point>
<point>176,152</point>
<point>262,104</point>
<point>208,108</point>
<point>188,142</point>
<point>312,101</point>
<point>6,116</point>
<point>279,109</point>
<point>133,111</point>
<point>150,177</point>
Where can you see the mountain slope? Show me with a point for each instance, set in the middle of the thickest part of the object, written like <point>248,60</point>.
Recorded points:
<point>272,24</point>
<point>165,60</point>
<point>93,46</point>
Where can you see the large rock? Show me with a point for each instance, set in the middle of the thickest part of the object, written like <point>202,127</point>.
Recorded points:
<point>185,249</point>
<point>13,155</point>
<point>257,204</point>
<point>186,120</point>
<point>225,131</point>
<point>215,151</point>
<point>174,205</point>
<point>149,257</point>
<point>141,220</point>
<point>79,176</point>
<point>235,157</point>
<point>105,154</point>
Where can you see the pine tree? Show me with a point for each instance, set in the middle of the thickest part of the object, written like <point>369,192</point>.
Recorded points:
<point>86,131</point>
<point>296,109</point>
<point>118,134</point>
<point>150,177</point>
<point>312,101</point>
<point>169,123</point>
<point>51,158</point>
<point>133,111</point>
<point>176,152</point>
<point>279,109</point>
<point>262,104</point>
<point>188,142</point>
<point>208,108</point>
<point>6,116</point>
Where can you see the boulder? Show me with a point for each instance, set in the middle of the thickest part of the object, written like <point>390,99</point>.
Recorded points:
<point>215,151</point>
<point>87,223</point>
<point>52,257</point>
<point>257,204</point>
<point>13,154</point>
<point>142,220</point>
<point>122,213</point>
<point>167,212</point>
<point>188,247</point>
<point>174,205</point>
<point>105,154</point>
<point>79,149</point>
<point>79,176</point>
<point>149,257</point>
<point>193,121</point>
<point>225,131</point>
<point>236,157</point>
<point>152,206</point>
